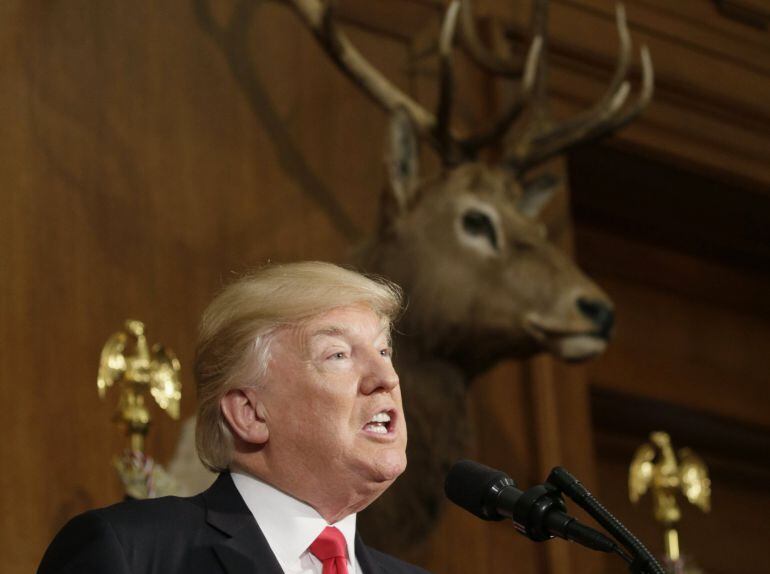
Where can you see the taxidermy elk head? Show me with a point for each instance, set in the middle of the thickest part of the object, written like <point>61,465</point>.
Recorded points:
<point>482,279</point>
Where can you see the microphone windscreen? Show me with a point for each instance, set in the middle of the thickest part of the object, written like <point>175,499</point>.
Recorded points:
<point>468,485</point>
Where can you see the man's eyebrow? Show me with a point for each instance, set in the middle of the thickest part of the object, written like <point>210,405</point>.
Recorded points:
<point>331,331</point>
<point>341,331</point>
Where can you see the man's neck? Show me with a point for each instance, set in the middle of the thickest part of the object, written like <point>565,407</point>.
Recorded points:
<point>323,498</point>
<point>289,525</point>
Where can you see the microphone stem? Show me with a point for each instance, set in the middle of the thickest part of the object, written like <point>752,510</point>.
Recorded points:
<point>623,554</point>
<point>571,486</point>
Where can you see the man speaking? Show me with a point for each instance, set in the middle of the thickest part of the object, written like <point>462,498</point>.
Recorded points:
<point>300,412</point>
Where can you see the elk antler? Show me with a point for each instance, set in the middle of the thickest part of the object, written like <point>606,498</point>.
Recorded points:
<point>479,53</point>
<point>606,116</point>
<point>320,19</point>
<point>470,146</point>
<point>446,81</point>
<point>543,140</point>
<point>436,129</point>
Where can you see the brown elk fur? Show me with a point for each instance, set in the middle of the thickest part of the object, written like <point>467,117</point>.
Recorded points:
<point>467,308</point>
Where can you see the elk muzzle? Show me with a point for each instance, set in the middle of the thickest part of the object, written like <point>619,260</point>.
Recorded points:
<point>600,313</point>
<point>578,335</point>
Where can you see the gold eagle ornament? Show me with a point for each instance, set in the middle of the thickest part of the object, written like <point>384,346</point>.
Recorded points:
<point>127,361</point>
<point>655,467</point>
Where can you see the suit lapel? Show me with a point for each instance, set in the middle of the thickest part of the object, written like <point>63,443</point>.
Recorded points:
<point>365,558</point>
<point>244,550</point>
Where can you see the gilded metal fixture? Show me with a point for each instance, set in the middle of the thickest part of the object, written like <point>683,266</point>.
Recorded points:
<point>655,467</point>
<point>128,361</point>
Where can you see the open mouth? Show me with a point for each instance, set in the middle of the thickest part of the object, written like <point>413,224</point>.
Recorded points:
<point>381,423</point>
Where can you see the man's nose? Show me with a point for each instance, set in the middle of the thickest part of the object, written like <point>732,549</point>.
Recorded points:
<point>380,375</point>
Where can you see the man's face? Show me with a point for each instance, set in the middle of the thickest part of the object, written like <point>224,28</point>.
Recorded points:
<point>332,404</point>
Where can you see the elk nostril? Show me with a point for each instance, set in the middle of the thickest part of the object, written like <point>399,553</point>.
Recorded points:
<point>600,313</point>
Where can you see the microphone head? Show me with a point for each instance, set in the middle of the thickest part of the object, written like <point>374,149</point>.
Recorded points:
<point>474,487</point>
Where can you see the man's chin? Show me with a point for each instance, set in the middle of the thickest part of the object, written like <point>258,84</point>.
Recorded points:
<point>387,467</point>
<point>393,471</point>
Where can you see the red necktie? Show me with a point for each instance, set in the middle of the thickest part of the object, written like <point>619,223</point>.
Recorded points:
<point>329,548</point>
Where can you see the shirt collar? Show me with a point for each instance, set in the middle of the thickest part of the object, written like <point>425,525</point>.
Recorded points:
<point>289,525</point>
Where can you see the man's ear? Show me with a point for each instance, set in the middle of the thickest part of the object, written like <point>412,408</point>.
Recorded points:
<point>245,415</point>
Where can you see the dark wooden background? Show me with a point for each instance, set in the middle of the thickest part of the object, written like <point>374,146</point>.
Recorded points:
<point>140,169</point>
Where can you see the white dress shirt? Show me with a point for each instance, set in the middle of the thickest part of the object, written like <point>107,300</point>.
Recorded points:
<point>290,526</point>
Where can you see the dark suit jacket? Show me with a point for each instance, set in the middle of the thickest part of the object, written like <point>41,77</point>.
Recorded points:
<point>213,532</point>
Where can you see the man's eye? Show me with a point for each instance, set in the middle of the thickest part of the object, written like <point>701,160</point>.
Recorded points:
<point>387,352</point>
<point>338,355</point>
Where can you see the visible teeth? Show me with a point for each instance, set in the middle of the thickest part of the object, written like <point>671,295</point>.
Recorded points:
<point>382,417</point>
<point>377,428</point>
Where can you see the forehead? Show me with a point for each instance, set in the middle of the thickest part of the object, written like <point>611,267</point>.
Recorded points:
<point>346,322</point>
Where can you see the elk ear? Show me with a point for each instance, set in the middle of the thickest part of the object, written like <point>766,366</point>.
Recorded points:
<point>537,193</point>
<point>401,158</point>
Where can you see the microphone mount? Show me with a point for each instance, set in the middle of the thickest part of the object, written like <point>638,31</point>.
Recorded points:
<point>539,513</point>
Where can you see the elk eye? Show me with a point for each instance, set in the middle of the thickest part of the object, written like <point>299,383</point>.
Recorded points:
<point>478,223</point>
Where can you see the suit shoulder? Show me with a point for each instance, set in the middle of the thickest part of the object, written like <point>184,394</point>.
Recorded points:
<point>125,537</point>
<point>85,544</point>
<point>160,515</point>
<point>393,565</point>
<point>167,508</point>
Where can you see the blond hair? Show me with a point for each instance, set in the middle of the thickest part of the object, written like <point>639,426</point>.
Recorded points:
<point>235,332</point>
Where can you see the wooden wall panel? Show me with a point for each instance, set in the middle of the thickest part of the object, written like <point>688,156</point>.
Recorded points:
<point>690,346</point>
<point>136,179</point>
<point>144,168</point>
<point>710,109</point>
<point>140,168</point>
<point>731,538</point>
<point>701,344</point>
<point>696,358</point>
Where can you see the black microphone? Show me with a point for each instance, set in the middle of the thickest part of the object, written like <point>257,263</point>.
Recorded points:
<point>538,513</point>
